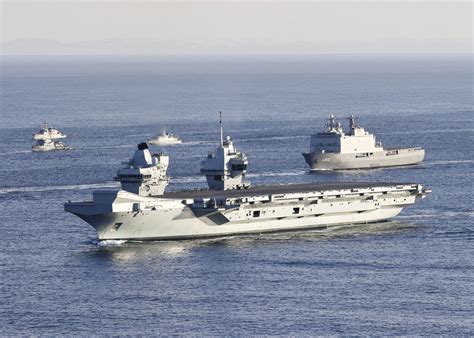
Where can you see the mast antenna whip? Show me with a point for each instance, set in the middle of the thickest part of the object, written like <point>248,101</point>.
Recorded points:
<point>220,122</point>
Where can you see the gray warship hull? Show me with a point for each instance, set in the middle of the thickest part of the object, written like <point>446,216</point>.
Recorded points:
<point>380,159</point>
<point>122,215</point>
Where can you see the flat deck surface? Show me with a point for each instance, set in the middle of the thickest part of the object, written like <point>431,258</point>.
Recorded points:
<point>276,189</point>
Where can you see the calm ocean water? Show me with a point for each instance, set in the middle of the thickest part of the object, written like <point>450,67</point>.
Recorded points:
<point>410,276</point>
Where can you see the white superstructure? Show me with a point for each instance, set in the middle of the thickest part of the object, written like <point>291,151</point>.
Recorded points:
<point>142,211</point>
<point>165,139</point>
<point>49,145</point>
<point>48,133</point>
<point>334,149</point>
<point>144,174</point>
<point>47,140</point>
<point>225,168</point>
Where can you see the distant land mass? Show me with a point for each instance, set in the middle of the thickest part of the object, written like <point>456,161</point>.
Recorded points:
<point>36,46</point>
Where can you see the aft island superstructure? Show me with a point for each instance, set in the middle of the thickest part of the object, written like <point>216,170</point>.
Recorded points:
<point>334,149</point>
<point>231,206</point>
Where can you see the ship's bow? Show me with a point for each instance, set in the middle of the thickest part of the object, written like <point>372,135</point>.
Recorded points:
<point>310,159</point>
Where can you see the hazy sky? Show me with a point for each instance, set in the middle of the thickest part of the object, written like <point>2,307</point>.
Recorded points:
<point>225,27</point>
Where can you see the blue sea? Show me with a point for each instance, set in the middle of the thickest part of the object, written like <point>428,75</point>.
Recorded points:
<point>413,275</point>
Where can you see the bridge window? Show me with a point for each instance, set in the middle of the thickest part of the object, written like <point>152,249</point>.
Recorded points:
<point>256,213</point>
<point>240,167</point>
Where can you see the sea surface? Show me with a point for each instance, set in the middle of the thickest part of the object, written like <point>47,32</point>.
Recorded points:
<point>410,276</point>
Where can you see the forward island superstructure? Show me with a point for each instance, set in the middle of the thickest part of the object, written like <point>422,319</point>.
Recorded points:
<point>144,174</point>
<point>334,149</point>
<point>231,206</point>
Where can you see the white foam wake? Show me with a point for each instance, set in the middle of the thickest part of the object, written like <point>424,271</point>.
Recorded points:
<point>119,146</point>
<point>426,214</point>
<point>192,143</point>
<point>16,152</point>
<point>416,132</point>
<point>274,138</point>
<point>200,179</point>
<point>59,187</point>
<point>191,179</point>
<point>283,173</point>
<point>110,242</point>
<point>428,163</point>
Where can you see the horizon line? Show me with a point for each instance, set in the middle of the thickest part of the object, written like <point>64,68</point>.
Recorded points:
<point>242,54</point>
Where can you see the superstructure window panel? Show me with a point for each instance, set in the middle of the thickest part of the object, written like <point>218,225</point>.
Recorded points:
<point>239,167</point>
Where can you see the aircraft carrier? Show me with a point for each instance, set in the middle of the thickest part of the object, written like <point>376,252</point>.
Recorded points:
<point>142,210</point>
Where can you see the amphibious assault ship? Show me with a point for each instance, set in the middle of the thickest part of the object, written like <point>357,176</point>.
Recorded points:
<point>142,210</point>
<point>358,149</point>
